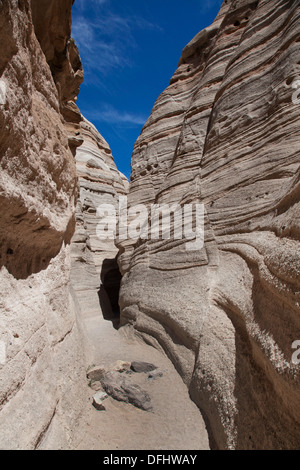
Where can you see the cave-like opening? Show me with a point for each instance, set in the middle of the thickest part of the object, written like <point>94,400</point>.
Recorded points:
<point>109,291</point>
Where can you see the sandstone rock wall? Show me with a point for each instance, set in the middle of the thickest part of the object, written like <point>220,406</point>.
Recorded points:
<point>226,133</point>
<point>94,271</point>
<point>40,389</point>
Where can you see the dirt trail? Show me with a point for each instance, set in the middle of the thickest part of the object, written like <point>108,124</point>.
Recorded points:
<point>174,424</point>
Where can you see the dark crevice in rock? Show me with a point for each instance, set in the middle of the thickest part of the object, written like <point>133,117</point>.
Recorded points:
<point>109,291</point>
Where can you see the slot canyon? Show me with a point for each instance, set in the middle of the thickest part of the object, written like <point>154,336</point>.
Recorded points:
<point>186,349</point>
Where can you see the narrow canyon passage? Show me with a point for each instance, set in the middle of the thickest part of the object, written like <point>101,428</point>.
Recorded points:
<point>174,423</point>
<point>221,315</point>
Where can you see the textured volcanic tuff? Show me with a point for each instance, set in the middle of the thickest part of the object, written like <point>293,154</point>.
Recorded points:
<point>226,133</point>
<point>45,196</point>
<point>39,334</point>
<point>94,269</point>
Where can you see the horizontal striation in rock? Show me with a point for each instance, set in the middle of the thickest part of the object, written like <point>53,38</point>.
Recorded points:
<point>226,133</point>
<point>41,397</point>
<point>37,180</point>
<point>93,259</point>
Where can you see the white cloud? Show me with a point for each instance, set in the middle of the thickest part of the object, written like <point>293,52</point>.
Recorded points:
<point>82,4</point>
<point>111,115</point>
<point>105,40</point>
<point>100,54</point>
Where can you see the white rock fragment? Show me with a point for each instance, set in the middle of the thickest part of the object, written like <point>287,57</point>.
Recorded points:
<point>98,399</point>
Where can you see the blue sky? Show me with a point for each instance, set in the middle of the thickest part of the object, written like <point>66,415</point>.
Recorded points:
<point>130,49</point>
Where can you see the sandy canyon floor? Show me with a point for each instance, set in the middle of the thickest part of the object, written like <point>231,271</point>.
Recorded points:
<point>175,422</point>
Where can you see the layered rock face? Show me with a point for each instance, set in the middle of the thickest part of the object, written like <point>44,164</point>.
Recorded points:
<point>225,133</point>
<point>40,338</point>
<point>95,275</point>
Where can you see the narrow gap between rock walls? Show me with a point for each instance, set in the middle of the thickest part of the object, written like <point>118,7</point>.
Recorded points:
<point>109,291</point>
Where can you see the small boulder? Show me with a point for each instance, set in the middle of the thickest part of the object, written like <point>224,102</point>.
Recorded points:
<point>98,400</point>
<point>155,374</point>
<point>139,366</point>
<point>121,366</point>
<point>96,373</point>
<point>120,388</point>
<point>96,386</point>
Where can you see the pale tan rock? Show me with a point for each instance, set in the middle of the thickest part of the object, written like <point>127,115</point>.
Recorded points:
<point>226,133</point>
<point>95,373</point>
<point>98,399</point>
<point>52,23</point>
<point>38,174</point>
<point>95,275</point>
<point>41,394</point>
<point>120,366</point>
<point>96,386</point>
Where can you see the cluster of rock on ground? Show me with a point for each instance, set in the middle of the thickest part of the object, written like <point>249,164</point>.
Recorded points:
<point>173,422</point>
<point>120,385</point>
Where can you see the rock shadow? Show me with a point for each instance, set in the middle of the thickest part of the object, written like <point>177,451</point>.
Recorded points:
<point>109,291</point>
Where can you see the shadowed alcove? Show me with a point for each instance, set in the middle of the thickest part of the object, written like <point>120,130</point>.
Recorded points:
<point>109,291</point>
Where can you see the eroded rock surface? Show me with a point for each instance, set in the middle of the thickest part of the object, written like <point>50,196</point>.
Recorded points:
<point>95,275</point>
<point>39,328</point>
<point>225,133</point>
